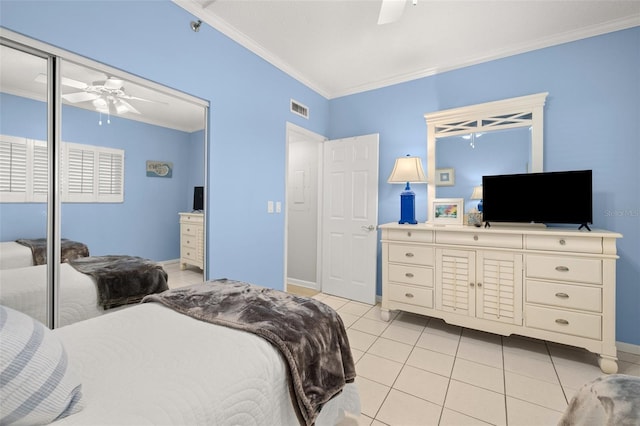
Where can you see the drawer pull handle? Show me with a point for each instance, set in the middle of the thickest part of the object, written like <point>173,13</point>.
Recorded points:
<point>562,295</point>
<point>408,275</point>
<point>562,242</point>
<point>409,295</point>
<point>479,284</point>
<point>471,284</point>
<point>409,254</point>
<point>409,234</point>
<point>562,321</point>
<point>475,238</point>
<point>562,269</point>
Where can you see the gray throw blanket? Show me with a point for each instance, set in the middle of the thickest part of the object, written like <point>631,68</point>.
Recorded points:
<point>309,334</point>
<point>69,250</point>
<point>612,400</point>
<point>122,280</point>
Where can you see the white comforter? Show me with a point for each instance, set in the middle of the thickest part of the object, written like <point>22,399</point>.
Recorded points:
<point>14,255</point>
<point>25,290</point>
<point>148,365</point>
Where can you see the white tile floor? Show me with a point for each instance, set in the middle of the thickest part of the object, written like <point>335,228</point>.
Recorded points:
<point>416,370</point>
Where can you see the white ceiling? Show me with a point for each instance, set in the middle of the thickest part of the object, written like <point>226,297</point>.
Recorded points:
<point>337,48</point>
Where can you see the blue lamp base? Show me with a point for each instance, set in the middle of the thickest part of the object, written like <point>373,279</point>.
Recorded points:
<point>408,206</point>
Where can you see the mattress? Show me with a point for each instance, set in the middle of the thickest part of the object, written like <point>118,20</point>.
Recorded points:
<point>25,289</point>
<point>149,365</point>
<point>14,255</point>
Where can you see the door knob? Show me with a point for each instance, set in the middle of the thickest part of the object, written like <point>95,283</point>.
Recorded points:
<point>368,228</point>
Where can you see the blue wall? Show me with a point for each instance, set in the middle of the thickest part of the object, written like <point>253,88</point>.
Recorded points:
<point>591,121</point>
<point>249,108</point>
<point>146,224</point>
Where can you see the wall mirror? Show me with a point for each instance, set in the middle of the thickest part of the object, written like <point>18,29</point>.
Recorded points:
<point>463,144</point>
<point>110,125</point>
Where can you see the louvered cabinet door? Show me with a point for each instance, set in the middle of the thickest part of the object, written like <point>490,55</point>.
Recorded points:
<point>499,286</point>
<point>455,288</point>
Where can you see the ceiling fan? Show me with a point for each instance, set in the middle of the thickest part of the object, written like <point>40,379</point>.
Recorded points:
<point>107,96</point>
<point>391,10</point>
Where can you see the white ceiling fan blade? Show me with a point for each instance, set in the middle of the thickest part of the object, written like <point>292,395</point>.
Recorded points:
<point>42,78</point>
<point>391,11</point>
<point>123,106</point>
<point>80,97</point>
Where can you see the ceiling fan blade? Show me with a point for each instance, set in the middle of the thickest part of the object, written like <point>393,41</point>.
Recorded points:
<point>135,98</point>
<point>123,106</point>
<point>80,97</point>
<point>42,78</point>
<point>391,11</point>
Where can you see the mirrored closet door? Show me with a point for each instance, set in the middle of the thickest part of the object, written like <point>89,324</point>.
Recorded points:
<point>24,161</point>
<point>128,157</point>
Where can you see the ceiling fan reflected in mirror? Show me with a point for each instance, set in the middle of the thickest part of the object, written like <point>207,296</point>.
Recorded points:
<point>107,96</point>
<point>392,10</point>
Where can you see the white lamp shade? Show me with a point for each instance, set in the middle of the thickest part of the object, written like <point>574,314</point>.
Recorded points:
<point>407,169</point>
<point>477,193</point>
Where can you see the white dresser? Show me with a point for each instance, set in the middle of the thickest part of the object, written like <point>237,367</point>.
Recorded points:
<point>547,283</point>
<point>191,240</point>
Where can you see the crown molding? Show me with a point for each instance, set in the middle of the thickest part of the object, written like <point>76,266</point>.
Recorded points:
<point>248,43</point>
<point>255,47</point>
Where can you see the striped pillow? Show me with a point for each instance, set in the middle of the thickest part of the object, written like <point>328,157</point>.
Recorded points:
<point>36,385</point>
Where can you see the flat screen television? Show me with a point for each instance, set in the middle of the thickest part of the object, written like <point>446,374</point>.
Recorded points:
<point>198,198</point>
<point>549,197</point>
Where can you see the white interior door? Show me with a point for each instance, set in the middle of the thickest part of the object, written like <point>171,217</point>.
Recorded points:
<point>350,218</point>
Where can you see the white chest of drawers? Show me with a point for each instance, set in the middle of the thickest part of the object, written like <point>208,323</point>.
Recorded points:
<point>191,240</point>
<point>554,284</point>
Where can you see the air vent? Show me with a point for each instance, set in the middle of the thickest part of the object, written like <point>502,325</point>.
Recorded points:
<point>298,108</point>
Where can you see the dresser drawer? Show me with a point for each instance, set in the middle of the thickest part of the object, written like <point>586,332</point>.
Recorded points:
<point>561,268</point>
<point>413,254</point>
<point>410,235</point>
<point>564,243</point>
<point>192,218</point>
<point>189,253</point>
<point>565,322</point>
<point>418,296</point>
<point>190,241</point>
<point>564,295</point>
<point>479,239</point>
<point>411,275</point>
<point>188,229</point>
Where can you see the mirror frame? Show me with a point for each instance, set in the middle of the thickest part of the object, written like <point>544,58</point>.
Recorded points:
<point>523,111</point>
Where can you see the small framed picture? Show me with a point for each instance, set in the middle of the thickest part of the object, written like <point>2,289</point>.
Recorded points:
<point>445,177</point>
<point>447,211</point>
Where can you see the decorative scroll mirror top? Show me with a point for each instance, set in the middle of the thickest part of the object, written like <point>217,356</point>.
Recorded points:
<point>474,120</point>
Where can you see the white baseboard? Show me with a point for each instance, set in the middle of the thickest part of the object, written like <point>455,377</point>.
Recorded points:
<point>169,262</point>
<point>628,347</point>
<point>303,283</point>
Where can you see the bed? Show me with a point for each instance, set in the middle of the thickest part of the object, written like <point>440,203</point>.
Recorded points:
<point>154,365</point>
<point>83,295</point>
<point>32,252</point>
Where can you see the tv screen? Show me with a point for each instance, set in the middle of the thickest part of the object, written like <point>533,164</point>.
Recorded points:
<point>198,198</point>
<point>550,197</point>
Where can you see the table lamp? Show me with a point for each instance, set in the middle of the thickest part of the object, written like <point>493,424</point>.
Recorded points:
<point>407,170</point>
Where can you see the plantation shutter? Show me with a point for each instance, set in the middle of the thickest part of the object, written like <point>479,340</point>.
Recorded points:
<point>13,169</point>
<point>40,169</point>
<point>80,173</point>
<point>110,176</point>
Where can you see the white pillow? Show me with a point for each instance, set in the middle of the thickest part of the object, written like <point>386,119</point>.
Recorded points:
<point>36,385</point>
